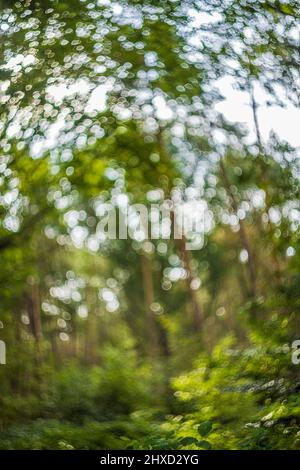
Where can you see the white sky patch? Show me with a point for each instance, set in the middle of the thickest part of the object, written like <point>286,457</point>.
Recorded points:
<point>19,60</point>
<point>163,111</point>
<point>243,256</point>
<point>79,235</point>
<point>40,145</point>
<point>236,108</point>
<point>82,311</point>
<point>200,17</point>
<point>95,102</point>
<point>110,298</point>
<point>98,97</point>
<point>59,92</point>
<point>290,251</point>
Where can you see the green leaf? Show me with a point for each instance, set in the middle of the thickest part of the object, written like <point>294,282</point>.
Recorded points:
<point>204,445</point>
<point>205,428</point>
<point>188,440</point>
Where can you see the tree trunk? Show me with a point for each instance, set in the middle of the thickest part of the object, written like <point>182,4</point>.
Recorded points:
<point>34,311</point>
<point>242,233</point>
<point>195,304</point>
<point>149,299</point>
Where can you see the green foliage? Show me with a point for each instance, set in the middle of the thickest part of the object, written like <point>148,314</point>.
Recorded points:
<point>246,397</point>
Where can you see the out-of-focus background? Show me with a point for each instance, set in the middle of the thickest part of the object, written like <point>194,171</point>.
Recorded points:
<point>140,342</point>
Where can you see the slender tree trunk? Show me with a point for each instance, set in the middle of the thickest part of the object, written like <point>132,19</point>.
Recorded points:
<point>149,299</point>
<point>185,254</point>
<point>53,333</point>
<point>74,334</point>
<point>195,304</point>
<point>34,311</point>
<point>91,334</point>
<point>242,233</point>
<point>255,117</point>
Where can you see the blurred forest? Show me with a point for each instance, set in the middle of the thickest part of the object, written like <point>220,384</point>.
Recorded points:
<point>143,344</point>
